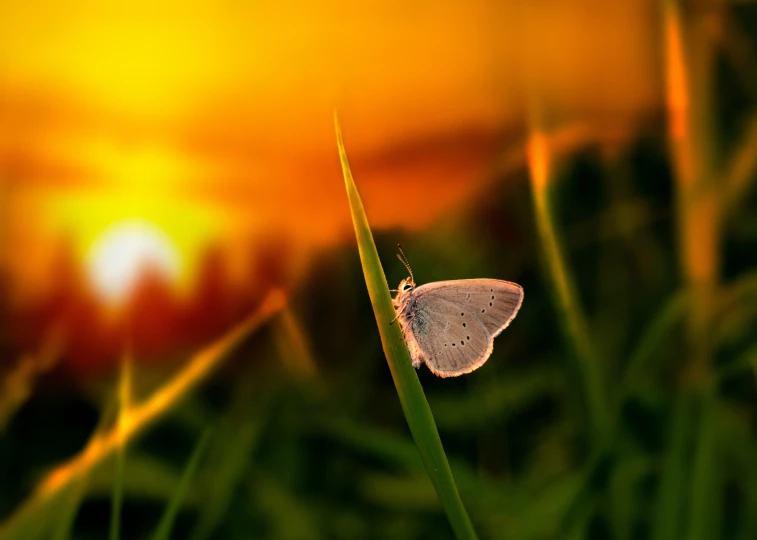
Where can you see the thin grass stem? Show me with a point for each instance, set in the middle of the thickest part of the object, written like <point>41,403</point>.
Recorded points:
<point>572,317</point>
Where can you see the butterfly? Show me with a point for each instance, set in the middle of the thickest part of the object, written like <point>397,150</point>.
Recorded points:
<point>451,325</point>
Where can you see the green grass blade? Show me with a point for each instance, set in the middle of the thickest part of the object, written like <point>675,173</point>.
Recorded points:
<point>657,331</point>
<point>69,506</point>
<point>740,170</point>
<point>670,507</point>
<point>163,532</point>
<point>228,458</point>
<point>413,401</point>
<point>571,313</point>
<point>124,402</point>
<point>118,493</point>
<point>69,509</point>
<point>705,496</point>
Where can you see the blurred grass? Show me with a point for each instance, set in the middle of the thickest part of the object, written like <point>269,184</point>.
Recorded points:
<point>163,531</point>
<point>413,401</point>
<point>17,386</point>
<point>124,406</point>
<point>660,328</point>
<point>571,313</point>
<point>688,66</point>
<point>60,484</point>
<point>228,455</point>
<point>70,506</point>
<point>506,510</point>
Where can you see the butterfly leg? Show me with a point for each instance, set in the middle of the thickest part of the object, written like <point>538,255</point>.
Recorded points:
<point>395,319</point>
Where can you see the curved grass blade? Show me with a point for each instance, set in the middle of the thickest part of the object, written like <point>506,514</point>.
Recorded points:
<point>163,532</point>
<point>413,401</point>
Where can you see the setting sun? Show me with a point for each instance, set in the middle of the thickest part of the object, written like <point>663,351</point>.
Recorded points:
<point>124,252</point>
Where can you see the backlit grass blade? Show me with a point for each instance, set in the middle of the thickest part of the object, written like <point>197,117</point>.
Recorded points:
<point>16,386</point>
<point>740,170</point>
<point>413,401</point>
<point>163,532</point>
<point>689,69</point>
<point>69,506</point>
<point>572,316</point>
<point>124,399</point>
<point>25,522</point>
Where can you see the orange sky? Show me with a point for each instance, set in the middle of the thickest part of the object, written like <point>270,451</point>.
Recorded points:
<point>214,121</point>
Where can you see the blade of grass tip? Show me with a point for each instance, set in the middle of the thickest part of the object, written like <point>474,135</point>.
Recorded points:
<point>124,403</point>
<point>163,531</point>
<point>414,405</point>
<point>295,351</point>
<point>690,66</point>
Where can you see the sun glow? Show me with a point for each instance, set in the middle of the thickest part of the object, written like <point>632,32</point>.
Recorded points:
<point>124,252</point>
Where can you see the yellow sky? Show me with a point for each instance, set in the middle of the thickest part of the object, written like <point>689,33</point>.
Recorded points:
<point>213,120</point>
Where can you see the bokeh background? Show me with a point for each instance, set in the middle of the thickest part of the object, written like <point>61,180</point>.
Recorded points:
<point>187,347</point>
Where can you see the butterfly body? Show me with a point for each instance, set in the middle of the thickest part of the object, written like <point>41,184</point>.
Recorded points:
<point>451,325</point>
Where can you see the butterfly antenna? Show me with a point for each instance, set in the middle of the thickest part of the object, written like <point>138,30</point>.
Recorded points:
<point>404,261</point>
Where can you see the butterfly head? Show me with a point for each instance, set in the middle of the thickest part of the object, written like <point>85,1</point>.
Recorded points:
<point>406,285</point>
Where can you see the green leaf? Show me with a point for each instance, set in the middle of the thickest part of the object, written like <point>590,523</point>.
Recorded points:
<point>414,405</point>
<point>163,532</point>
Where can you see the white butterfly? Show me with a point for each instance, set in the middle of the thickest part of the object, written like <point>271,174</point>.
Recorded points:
<point>451,325</point>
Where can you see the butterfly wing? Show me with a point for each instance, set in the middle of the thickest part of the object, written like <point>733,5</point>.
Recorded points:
<point>455,322</point>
